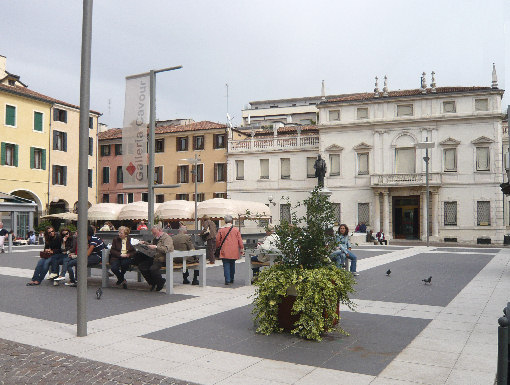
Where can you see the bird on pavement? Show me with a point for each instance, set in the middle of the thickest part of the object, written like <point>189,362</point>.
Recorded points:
<point>427,280</point>
<point>388,273</point>
<point>99,293</point>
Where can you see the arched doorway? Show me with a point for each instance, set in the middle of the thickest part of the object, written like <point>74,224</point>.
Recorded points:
<point>60,206</point>
<point>75,206</point>
<point>23,218</point>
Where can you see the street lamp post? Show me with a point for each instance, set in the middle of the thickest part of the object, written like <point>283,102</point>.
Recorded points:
<point>426,145</point>
<point>195,161</point>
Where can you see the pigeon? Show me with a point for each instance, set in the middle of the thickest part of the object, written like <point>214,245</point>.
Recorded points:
<point>99,293</point>
<point>427,280</point>
<point>388,273</point>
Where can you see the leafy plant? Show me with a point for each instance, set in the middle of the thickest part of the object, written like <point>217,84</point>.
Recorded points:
<point>304,265</point>
<point>42,226</point>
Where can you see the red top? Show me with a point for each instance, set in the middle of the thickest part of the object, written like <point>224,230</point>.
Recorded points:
<point>233,246</point>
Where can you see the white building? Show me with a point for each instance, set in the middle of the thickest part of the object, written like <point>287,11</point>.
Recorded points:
<point>375,172</point>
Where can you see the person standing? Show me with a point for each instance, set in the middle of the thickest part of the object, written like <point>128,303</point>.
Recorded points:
<point>120,255</point>
<point>151,267</point>
<point>231,243</point>
<point>209,233</point>
<point>3,234</point>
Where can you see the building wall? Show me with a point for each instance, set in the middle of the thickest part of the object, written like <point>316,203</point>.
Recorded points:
<point>23,178</point>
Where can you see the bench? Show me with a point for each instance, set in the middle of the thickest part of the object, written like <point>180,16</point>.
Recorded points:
<point>250,264</point>
<point>170,267</point>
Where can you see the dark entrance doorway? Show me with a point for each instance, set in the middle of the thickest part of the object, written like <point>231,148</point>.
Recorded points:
<point>406,217</point>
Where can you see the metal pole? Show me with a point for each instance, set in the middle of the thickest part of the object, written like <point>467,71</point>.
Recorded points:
<point>502,366</point>
<point>508,155</point>
<point>427,184</point>
<point>83,167</point>
<point>152,121</point>
<point>195,166</point>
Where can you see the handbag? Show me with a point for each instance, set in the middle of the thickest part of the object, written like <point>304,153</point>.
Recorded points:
<point>45,254</point>
<point>217,251</point>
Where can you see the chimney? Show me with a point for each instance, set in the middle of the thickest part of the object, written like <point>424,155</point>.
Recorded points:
<point>3,66</point>
<point>323,91</point>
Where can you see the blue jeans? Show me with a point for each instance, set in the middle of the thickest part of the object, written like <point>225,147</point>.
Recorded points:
<point>353,259</point>
<point>338,257</point>
<point>229,269</point>
<point>56,261</point>
<point>70,264</point>
<point>41,269</point>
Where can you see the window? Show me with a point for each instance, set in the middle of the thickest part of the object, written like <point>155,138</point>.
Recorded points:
<point>338,212</point>
<point>220,172</point>
<point>183,174</point>
<point>405,159</point>
<point>364,213</point>
<point>90,178</point>
<point>449,107</point>
<point>106,175</point>
<point>59,115</point>
<point>363,163</point>
<point>310,171</point>
<point>220,195</point>
<point>362,113</point>
<point>239,169</point>
<point>450,159</point>
<point>158,175</point>
<point>483,211</point>
<point>120,175</point>
<point>334,164</point>
<point>118,149</point>
<point>91,122</point>
<point>182,143</point>
<point>91,146</point>
<point>482,159</point>
<point>264,169</point>
<point>182,197</point>
<point>106,198</point>
<point>145,197</point>
<point>105,150</point>
<point>60,140</point>
<point>10,115</point>
<point>38,121</point>
<point>200,174</point>
<point>120,199</point>
<point>481,104</point>
<point>38,158</point>
<point>130,197</point>
<point>198,142</point>
<point>285,168</point>
<point>59,175</point>
<point>200,197</point>
<point>334,115</point>
<point>160,198</point>
<point>9,154</point>
<point>404,110</point>
<point>285,215</point>
<point>450,213</point>
<point>219,141</point>
<point>160,145</point>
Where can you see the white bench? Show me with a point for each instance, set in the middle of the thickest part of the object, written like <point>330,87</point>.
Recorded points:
<point>169,269</point>
<point>250,264</point>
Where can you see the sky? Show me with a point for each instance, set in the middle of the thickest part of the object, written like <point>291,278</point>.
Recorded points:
<point>262,49</point>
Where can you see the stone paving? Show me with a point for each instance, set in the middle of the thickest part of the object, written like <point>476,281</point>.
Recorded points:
<point>403,332</point>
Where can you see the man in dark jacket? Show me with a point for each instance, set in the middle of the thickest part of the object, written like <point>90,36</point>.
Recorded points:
<point>182,242</point>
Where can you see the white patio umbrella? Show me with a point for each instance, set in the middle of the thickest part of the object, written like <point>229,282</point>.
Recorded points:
<point>65,216</point>
<point>136,210</point>
<point>176,209</point>
<point>104,212</point>
<point>219,207</point>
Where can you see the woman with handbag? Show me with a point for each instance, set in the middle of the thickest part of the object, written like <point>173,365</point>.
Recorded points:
<point>120,255</point>
<point>229,247</point>
<point>52,248</point>
<point>209,236</point>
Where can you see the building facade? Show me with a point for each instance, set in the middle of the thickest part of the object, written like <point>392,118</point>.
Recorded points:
<point>376,172</point>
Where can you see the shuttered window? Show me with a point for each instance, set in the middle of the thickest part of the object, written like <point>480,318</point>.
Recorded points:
<point>91,146</point>
<point>106,175</point>
<point>120,175</point>
<point>10,115</point>
<point>183,174</point>
<point>363,163</point>
<point>285,168</point>
<point>450,159</point>
<point>310,171</point>
<point>334,164</point>
<point>264,168</point>
<point>38,121</point>
<point>59,175</point>
<point>220,172</point>
<point>90,180</point>
<point>37,158</point>
<point>9,154</point>
<point>405,160</point>
<point>239,169</point>
<point>482,159</point>
<point>60,140</point>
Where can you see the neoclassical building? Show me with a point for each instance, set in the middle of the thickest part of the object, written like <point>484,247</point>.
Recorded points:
<point>376,171</point>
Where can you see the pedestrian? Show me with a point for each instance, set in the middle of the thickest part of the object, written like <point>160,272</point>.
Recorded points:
<point>209,235</point>
<point>182,242</point>
<point>230,243</point>
<point>3,234</point>
<point>345,247</point>
<point>142,226</point>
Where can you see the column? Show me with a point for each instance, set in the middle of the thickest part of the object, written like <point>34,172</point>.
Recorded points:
<point>424,219</point>
<point>435,218</point>
<point>31,221</point>
<point>377,213</point>
<point>386,214</point>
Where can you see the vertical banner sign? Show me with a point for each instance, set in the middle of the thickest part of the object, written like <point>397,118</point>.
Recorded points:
<point>134,131</point>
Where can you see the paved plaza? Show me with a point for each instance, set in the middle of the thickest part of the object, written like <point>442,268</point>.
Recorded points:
<point>402,332</point>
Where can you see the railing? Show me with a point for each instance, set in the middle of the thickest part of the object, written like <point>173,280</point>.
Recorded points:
<point>274,143</point>
<point>404,179</point>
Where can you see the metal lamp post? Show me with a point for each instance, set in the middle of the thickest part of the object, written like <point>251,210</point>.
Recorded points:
<point>194,161</point>
<point>426,145</point>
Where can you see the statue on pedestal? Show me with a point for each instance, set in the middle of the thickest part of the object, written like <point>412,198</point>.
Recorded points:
<point>320,170</point>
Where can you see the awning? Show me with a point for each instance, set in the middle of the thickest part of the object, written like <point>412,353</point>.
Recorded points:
<point>64,216</point>
<point>219,207</point>
<point>136,210</point>
<point>104,212</point>
<point>176,209</point>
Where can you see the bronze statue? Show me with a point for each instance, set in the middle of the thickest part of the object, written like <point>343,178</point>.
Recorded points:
<point>320,170</point>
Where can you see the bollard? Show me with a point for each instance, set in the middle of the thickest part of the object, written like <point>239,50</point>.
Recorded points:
<point>9,245</point>
<point>503,344</point>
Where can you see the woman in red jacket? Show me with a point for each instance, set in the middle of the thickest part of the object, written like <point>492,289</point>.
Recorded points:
<point>231,250</point>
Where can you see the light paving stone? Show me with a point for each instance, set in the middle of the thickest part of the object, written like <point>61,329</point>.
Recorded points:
<point>439,345</point>
<point>333,377</point>
<point>391,381</point>
<point>451,325</point>
<point>463,377</point>
<point>237,379</point>
<point>477,363</point>
<point>278,371</point>
<point>236,362</point>
<point>408,371</point>
<point>428,357</point>
<point>71,346</point>
<point>199,374</point>
<point>139,345</point>
<point>105,355</point>
<point>180,353</point>
<point>475,348</point>
<point>150,365</point>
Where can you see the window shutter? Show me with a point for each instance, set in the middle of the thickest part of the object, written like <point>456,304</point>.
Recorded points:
<point>215,171</point>
<point>53,174</point>
<point>91,146</point>
<point>32,157</point>
<point>64,141</point>
<point>16,147</point>
<point>65,116</point>
<point>10,115</point>
<point>224,176</point>
<point>64,175</point>
<point>54,140</point>
<point>55,114</point>
<point>43,159</point>
<point>3,154</point>
<point>38,126</point>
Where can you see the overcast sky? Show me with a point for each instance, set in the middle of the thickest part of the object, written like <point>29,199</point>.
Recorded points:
<point>263,49</point>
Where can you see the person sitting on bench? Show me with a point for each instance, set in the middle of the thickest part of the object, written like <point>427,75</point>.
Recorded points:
<point>380,238</point>
<point>268,246</point>
<point>182,242</point>
<point>120,255</point>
